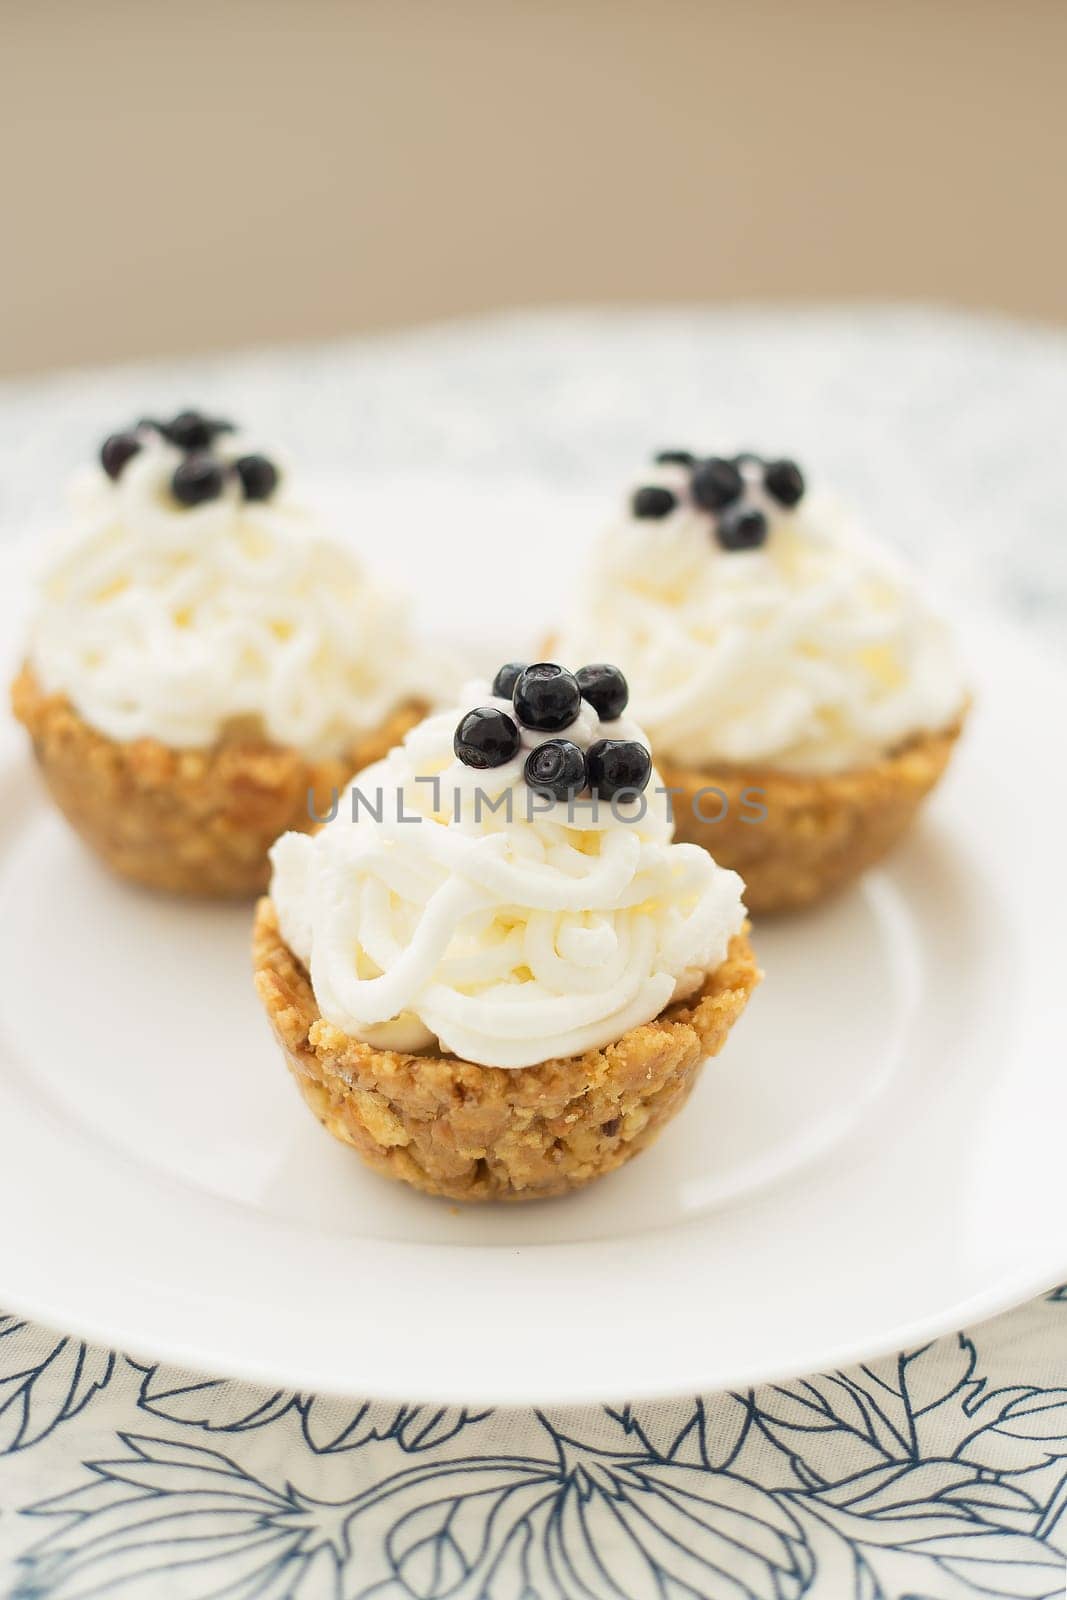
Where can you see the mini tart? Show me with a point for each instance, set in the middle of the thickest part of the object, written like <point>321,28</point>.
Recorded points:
<point>194,822</point>
<point>468,1132</point>
<point>819,833</point>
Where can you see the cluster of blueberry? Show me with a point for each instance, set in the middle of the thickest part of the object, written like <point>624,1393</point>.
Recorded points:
<point>549,698</point>
<point>717,484</point>
<point>201,476</point>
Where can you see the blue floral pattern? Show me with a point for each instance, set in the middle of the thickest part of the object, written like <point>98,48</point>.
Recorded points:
<point>42,1385</point>
<point>926,1476</point>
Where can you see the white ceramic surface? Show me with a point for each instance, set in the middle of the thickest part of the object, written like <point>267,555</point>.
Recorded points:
<point>876,1157</point>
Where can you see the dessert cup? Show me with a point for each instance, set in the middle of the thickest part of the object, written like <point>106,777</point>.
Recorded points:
<point>800,696</point>
<point>467,1132</point>
<point>196,821</point>
<point>207,666</point>
<point>816,833</point>
<point>502,1001</point>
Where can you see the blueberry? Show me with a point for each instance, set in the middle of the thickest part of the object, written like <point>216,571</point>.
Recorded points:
<point>258,475</point>
<point>784,481</point>
<point>556,767</point>
<point>486,737</point>
<point>506,679</point>
<point>191,430</point>
<point>716,483</point>
<point>617,765</point>
<point>196,479</point>
<point>117,450</point>
<point>675,458</point>
<point>741,528</point>
<point>547,696</point>
<point>652,501</point>
<point>605,688</point>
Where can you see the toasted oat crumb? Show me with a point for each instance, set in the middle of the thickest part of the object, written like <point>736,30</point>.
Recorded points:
<point>196,822</point>
<point>468,1132</point>
<point>819,833</point>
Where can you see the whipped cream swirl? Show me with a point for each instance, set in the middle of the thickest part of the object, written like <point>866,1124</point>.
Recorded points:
<point>177,623</point>
<point>812,654</point>
<point>503,926</point>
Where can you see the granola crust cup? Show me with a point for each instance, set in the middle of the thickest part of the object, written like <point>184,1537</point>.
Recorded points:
<point>468,1132</point>
<point>819,833</point>
<point>193,822</point>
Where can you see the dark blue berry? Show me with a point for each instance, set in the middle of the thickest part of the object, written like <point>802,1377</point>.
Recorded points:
<point>605,688</point>
<point>675,458</point>
<point>784,481</point>
<point>547,697</point>
<point>716,483</point>
<point>196,479</point>
<point>117,450</point>
<point>741,528</point>
<point>617,766</point>
<point>652,501</point>
<point>191,430</point>
<point>486,737</point>
<point>556,767</point>
<point>506,679</point>
<point>258,475</point>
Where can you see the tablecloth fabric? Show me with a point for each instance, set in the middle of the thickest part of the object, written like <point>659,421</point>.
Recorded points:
<point>941,1472</point>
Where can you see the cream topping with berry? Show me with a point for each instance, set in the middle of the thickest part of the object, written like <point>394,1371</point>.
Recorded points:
<point>194,593</point>
<point>509,890</point>
<point>759,626</point>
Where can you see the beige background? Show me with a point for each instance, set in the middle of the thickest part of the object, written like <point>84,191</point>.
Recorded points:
<point>179,177</point>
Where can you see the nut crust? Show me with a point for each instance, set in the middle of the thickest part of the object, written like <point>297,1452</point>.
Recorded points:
<point>467,1132</point>
<point>819,833</point>
<point>194,822</point>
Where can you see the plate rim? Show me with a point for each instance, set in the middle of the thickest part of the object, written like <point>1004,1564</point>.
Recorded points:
<point>964,1317</point>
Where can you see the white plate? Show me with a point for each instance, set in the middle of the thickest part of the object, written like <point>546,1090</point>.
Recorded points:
<point>876,1158</point>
